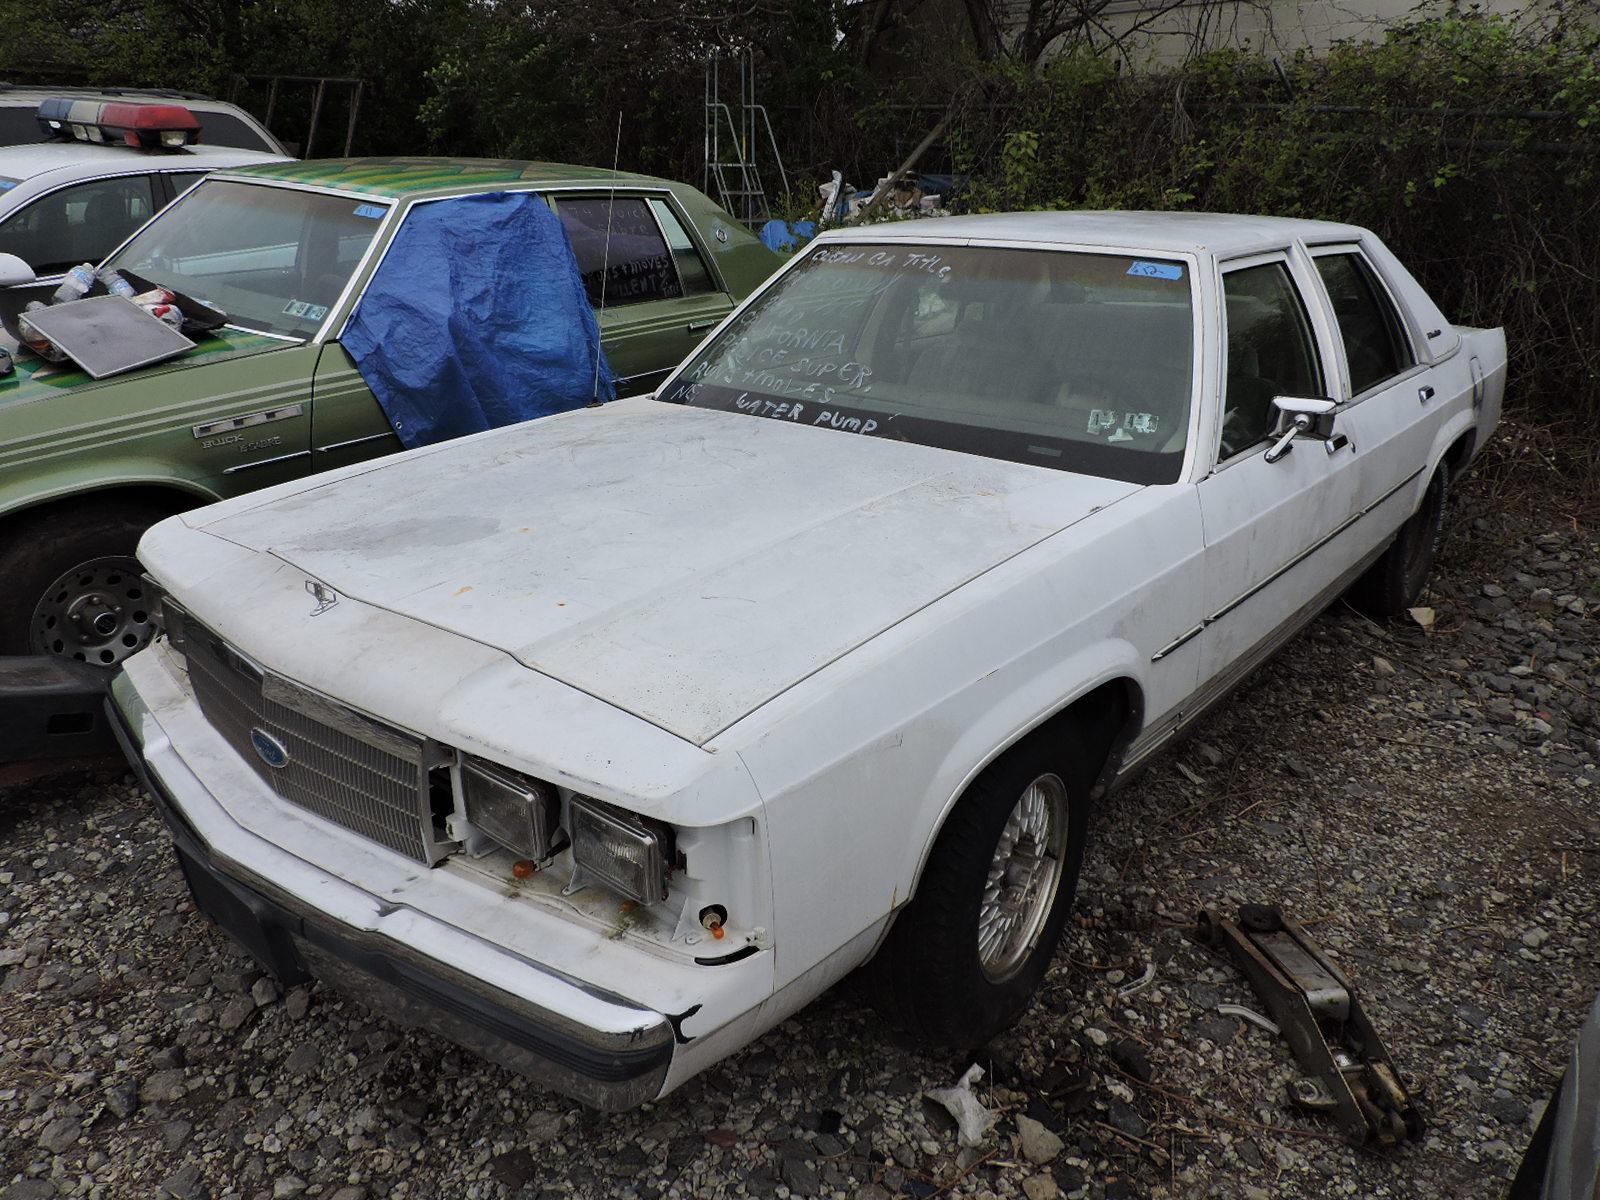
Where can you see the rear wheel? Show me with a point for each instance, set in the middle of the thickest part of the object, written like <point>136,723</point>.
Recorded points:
<point>73,585</point>
<point>966,955</point>
<point>1394,583</point>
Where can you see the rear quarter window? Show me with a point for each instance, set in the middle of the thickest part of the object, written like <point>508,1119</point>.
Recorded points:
<point>225,129</point>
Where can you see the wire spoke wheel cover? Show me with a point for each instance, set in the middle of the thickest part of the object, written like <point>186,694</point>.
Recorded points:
<point>1023,878</point>
<point>96,613</point>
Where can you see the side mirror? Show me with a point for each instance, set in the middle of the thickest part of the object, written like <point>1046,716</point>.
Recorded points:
<point>13,271</point>
<point>1300,416</point>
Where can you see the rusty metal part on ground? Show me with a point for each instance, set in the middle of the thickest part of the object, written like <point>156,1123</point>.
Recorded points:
<point>1350,1074</point>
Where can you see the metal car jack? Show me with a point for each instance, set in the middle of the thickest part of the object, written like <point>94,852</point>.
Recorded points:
<point>1350,1073</point>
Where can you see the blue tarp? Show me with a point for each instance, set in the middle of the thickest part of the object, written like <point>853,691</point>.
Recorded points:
<point>786,235</point>
<point>477,318</point>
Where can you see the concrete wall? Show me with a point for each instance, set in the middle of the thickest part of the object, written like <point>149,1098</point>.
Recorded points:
<point>1282,27</point>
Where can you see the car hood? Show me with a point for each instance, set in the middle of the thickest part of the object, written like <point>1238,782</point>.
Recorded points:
<point>35,379</point>
<point>681,564</point>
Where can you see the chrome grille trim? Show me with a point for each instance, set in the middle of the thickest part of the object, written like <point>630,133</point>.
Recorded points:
<point>344,767</point>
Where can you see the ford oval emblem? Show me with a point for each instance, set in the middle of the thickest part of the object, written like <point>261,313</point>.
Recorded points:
<point>268,748</point>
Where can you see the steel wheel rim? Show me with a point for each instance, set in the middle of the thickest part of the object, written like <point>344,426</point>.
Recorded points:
<point>1023,879</point>
<point>96,613</point>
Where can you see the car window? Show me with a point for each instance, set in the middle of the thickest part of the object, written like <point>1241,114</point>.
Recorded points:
<point>619,248</point>
<point>1374,344</point>
<point>182,181</point>
<point>1271,352</point>
<point>274,259</point>
<point>20,126</point>
<point>1073,361</point>
<point>77,224</point>
<point>225,129</point>
<point>692,272</point>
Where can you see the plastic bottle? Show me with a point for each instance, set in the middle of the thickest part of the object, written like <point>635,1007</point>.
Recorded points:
<point>75,286</point>
<point>115,284</point>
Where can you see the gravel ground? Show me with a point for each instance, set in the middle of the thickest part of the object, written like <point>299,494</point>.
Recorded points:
<point>1423,799</point>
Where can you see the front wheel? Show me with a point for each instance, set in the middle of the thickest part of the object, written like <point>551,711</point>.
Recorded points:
<point>73,586</point>
<point>966,955</point>
<point>1394,583</point>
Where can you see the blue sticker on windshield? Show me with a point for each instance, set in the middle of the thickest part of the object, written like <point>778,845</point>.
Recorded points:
<point>6,185</point>
<point>370,210</point>
<point>1156,270</point>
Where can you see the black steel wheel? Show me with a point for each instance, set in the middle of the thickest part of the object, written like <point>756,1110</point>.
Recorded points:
<point>73,585</point>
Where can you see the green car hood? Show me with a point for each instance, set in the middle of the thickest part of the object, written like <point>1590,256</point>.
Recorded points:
<point>34,379</point>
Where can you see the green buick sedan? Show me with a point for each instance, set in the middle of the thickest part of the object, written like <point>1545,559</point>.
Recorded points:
<point>288,251</point>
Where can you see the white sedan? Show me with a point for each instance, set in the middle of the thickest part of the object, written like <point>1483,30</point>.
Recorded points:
<point>602,743</point>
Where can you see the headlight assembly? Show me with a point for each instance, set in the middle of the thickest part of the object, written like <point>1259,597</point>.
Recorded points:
<point>519,813</point>
<point>625,852</point>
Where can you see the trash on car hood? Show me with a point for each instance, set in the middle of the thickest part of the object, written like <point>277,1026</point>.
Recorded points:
<point>684,565</point>
<point>35,379</point>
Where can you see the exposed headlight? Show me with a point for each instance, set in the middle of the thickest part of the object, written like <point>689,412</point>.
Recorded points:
<point>519,813</point>
<point>165,613</point>
<point>625,852</point>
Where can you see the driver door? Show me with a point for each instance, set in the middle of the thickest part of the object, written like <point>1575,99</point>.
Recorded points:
<point>1274,549</point>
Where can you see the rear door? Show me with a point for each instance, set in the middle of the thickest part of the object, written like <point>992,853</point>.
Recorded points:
<point>646,278</point>
<point>1394,411</point>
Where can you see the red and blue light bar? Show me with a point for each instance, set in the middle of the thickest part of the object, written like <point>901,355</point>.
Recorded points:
<point>116,122</point>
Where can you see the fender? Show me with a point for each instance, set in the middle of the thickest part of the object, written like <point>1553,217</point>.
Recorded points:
<point>1027,708</point>
<point>122,477</point>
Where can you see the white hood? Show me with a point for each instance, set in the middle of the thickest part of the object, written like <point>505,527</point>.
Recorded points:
<point>681,564</point>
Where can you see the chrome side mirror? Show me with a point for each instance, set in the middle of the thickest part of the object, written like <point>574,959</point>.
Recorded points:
<point>1300,416</point>
<point>14,272</point>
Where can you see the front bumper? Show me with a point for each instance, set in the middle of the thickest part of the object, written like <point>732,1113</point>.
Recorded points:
<point>51,707</point>
<point>595,1047</point>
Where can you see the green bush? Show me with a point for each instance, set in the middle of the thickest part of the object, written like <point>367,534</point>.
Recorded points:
<point>1468,143</point>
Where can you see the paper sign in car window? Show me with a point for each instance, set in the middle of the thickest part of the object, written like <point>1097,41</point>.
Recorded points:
<point>305,311</point>
<point>1156,270</point>
<point>370,210</point>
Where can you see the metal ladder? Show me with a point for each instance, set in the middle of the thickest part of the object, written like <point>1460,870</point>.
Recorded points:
<point>732,172</point>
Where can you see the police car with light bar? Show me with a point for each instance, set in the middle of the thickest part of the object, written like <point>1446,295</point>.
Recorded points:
<point>224,124</point>
<point>111,166</point>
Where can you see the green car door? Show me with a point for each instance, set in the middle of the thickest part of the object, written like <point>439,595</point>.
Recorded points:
<point>646,277</point>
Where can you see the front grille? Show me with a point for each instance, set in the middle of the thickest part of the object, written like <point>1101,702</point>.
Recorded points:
<point>368,777</point>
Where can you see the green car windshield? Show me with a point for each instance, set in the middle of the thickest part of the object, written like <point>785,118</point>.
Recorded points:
<point>274,259</point>
<point>1063,359</point>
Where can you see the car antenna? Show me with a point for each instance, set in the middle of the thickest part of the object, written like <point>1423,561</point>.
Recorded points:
<point>605,263</point>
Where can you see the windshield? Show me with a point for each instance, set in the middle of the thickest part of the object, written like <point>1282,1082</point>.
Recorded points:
<point>274,259</point>
<point>1080,362</point>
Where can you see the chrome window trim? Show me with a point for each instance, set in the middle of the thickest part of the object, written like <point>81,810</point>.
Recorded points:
<point>371,437</point>
<point>266,462</point>
<point>1401,315</point>
<point>1324,338</point>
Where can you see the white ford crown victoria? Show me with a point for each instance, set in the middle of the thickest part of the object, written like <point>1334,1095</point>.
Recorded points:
<point>602,743</point>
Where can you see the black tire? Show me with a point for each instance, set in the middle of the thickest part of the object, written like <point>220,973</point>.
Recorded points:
<point>1394,583</point>
<point>38,553</point>
<point>929,977</point>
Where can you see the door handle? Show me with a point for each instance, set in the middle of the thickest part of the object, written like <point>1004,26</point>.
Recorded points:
<point>1425,393</point>
<point>700,326</point>
<point>1337,443</point>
